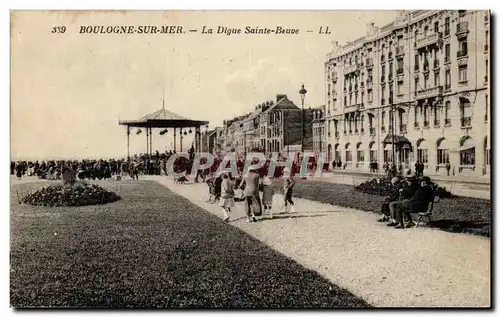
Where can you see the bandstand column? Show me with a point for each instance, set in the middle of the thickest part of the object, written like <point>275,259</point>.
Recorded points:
<point>147,140</point>
<point>180,140</point>
<point>175,139</point>
<point>150,141</point>
<point>128,143</point>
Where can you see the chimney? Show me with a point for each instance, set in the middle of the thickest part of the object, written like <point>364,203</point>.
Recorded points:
<point>279,97</point>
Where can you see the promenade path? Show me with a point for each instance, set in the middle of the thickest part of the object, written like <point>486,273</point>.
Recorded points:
<point>421,267</point>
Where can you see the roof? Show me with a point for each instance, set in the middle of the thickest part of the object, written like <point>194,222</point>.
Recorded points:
<point>163,119</point>
<point>283,103</point>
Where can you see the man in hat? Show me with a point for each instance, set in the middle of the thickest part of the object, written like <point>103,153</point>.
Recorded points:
<point>406,191</point>
<point>419,202</point>
<point>396,191</point>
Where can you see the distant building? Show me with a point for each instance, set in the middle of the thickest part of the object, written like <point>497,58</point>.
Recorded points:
<point>423,79</point>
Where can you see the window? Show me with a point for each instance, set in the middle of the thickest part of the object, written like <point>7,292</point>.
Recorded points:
<point>436,116</point>
<point>370,95</point>
<point>383,70</point>
<point>416,115</point>
<point>436,27</point>
<point>425,114</point>
<point>382,96</point>
<point>362,97</point>
<point>417,88</point>
<point>436,79</point>
<point>463,48</point>
<point>426,30</point>
<point>345,101</point>
<point>390,68</point>
<point>443,156</point>
<point>426,79</point>
<point>447,108</point>
<point>468,157</point>
<point>447,79</point>
<point>447,53</point>
<point>423,155</point>
<point>360,156</point>
<point>373,155</point>
<point>417,61</point>
<point>400,67</point>
<point>400,88</point>
<point>348,156</point>
<point>383,119</point>
<point>447,26</point>
<point>462,73</point>
<point>486,108</point>
<point>388,156</point>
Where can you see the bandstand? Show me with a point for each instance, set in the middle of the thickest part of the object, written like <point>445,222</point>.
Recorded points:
<point>165,120</point>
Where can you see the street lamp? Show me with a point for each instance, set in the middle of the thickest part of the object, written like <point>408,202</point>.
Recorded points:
<point>302,93</point>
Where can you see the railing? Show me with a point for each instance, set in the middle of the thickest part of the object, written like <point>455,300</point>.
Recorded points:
<point>427,40</point>
<point>466,122</point>
<point>430,92</point>
<point>462,28</point>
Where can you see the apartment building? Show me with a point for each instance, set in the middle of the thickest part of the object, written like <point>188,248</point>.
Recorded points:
<point>416,89</point>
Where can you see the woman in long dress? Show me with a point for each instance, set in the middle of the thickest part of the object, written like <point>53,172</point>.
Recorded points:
<point>227,196</point>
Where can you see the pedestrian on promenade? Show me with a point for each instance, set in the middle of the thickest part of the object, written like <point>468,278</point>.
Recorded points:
<point>288,192</point>
<point>227,196</point>
<point>250,186</point>
<point>448,168</point>
<point>267,195</point>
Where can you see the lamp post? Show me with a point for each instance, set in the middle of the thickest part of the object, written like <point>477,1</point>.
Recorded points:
<point>302,93</point>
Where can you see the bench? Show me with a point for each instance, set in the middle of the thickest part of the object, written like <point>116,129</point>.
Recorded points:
<point>427,214</point>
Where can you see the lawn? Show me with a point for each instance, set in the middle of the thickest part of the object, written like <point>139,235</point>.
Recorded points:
<point>460,214</point>
<point>152,249</point>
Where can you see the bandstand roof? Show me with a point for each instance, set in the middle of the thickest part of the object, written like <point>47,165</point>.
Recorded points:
<point>163,119</point>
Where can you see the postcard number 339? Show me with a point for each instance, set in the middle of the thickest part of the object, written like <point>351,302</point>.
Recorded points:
<point>58,29</point>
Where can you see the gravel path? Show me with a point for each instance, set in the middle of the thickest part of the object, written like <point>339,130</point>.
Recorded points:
<point>411,268</point>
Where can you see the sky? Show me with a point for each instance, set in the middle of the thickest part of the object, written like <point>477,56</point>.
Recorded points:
<point>69,90</point>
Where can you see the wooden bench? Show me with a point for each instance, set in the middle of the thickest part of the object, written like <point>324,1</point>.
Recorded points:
<point>427,214</point>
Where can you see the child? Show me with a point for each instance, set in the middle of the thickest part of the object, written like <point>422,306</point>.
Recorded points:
<point>211,188</point>
<point>227,196</point>
<point>267,195</point>
<point>288,190</point>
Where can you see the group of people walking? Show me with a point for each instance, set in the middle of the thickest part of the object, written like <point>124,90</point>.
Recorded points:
<point>223,188</point>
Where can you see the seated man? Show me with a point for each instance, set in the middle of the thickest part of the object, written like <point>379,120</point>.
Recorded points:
<point>419,202</point>
<point>393,197</point>
<point>407,190</point>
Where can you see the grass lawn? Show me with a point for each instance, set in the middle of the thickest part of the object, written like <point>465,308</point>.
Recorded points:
<point>460,214</point>
<point>152,249</point>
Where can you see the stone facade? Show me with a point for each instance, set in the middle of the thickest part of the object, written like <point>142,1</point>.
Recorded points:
<point>428,68</point>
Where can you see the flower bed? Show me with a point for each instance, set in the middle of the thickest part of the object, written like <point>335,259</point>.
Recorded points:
<point>78,194</point>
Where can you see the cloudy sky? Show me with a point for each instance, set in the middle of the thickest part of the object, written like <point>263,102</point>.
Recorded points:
<point>69,90</point>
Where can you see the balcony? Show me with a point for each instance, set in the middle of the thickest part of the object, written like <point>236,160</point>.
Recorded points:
<point>351,68</point>
<point>429,40</point>
<point>462,30</point>
<point>369,62</point>
<point>372,131</point>
<point>400,51</point>
<point>430,92</point>
<point>402,128</point>
<point>466,122</point>
<point>436,64</point>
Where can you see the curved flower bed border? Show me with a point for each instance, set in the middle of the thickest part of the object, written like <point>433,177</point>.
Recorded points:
<point>79,194</point>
